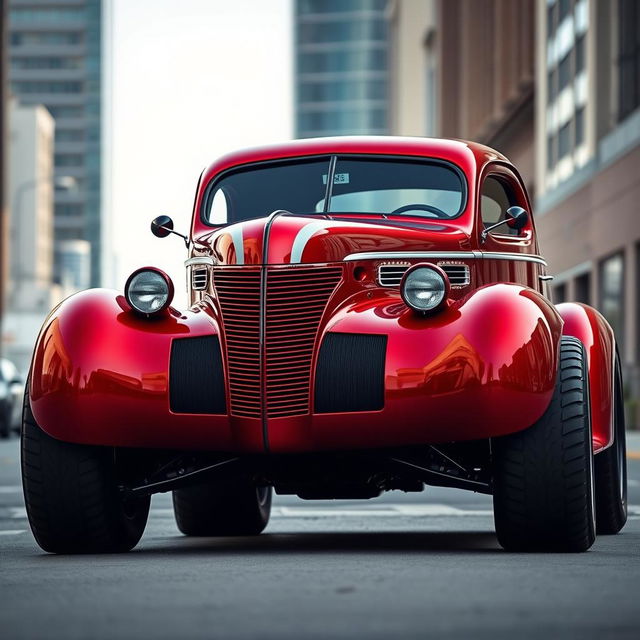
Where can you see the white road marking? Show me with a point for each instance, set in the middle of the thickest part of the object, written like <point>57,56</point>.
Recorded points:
<point>382,511</point>
<point>16,489</point>
<point>386,511</point>
<point>12,532</point>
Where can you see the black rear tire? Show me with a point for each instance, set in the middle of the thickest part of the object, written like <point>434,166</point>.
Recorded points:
<point>611,470</point>
<point>71,495</point>
<point>233,508</point>
<point>543,495</point>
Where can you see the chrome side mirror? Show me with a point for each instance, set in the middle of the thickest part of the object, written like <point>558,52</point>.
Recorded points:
<point>515,217</point>
<point>162,226</point>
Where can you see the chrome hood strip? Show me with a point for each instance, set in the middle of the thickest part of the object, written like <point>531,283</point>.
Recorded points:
<point>445,255</point>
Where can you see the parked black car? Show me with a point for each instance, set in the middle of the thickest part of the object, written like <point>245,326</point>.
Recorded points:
<point>11,391</point>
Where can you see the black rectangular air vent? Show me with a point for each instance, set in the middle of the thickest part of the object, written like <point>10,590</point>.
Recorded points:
<point>196,376</point>
<point>350,373</point>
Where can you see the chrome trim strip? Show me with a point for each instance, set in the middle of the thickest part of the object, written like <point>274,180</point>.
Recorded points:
<point>238,242</point>
<point>206,260</point>
<point>523,257</point>
<point>436,255</point>
<point>262,340</point>
<point>301,239</point>
<point>408,255</point>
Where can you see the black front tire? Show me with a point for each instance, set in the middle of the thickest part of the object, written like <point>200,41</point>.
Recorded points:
<point>71,495</point>
<point>543,476</point>
<point>611,470</point>
<point>231,508</point>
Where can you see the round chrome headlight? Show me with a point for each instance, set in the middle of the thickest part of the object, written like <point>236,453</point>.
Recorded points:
<point>149,290</point>
<point>424,288</point>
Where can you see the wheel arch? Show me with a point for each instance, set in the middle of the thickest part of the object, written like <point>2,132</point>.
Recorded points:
<point>592,329</point>
<point>100,372</point>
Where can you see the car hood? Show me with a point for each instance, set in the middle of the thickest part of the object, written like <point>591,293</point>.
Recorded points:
<point>312,239</point>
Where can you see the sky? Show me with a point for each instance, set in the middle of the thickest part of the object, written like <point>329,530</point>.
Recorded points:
<point>191,80</point>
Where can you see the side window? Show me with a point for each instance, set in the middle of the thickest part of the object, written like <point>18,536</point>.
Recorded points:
<point>495,199</point>
<point>218,213</point>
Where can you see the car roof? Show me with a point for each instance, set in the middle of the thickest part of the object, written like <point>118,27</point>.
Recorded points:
<point>469,156</point>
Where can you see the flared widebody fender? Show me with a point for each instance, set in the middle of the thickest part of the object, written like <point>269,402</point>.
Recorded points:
<point>483,367</point>
<point>101,375</point>
<point>595,333</point>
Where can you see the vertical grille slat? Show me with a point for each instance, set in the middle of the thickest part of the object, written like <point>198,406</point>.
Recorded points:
<point>290,334</point>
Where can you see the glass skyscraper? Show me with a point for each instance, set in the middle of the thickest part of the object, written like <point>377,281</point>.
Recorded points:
<point>55,59</point>
<point>341,67</point>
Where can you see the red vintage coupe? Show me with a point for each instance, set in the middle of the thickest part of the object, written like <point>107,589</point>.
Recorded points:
<point>365,314</point>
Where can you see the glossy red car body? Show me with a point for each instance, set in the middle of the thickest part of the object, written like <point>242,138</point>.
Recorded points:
<point>483,366</point>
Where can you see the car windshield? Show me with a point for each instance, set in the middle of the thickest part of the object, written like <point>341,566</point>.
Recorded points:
<point>424,188</point>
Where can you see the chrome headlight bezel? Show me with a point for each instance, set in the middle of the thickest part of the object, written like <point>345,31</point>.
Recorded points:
<point>437,276</point>
<point>164,289</point>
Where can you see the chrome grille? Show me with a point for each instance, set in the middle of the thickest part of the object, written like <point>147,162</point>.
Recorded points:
<point>390,275</point>
<point>199,278</point>
<point>295,300</point>
<point>238,292</point>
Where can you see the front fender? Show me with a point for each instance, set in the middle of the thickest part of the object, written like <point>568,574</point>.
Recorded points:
<point>595,333</point>
<point>100,375</point>
<point>483,367</point>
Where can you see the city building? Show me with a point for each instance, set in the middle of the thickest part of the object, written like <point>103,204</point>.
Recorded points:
<point>555,86</point>
<point>341,67</point>
<point>588,160</point>
<point>31,221</point>
<point>465,69</point>
<point>31,291</point>
<point>55,56</point>
<point>74,258</point>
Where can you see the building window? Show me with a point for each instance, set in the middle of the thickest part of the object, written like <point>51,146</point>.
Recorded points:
<point>567,27</point>
<point>69,135</point>
<point>564,72</point>
<point>64,86</point>
<point>564,140</point>
<point>53,15</point>
<point>21,38</point>
<point>580,54</point>
<point>64,111</point>
<point>559,293</point>
<point>583,288</point>
<point>68,160</point>
<point>67,209</point>
<point>612,293</point>
<point>579,124</point>
<point>551,152</point>
<point>628,57</point>
<point>45,62</point>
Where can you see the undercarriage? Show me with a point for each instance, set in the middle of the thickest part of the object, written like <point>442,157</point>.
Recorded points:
<point>317,476</point>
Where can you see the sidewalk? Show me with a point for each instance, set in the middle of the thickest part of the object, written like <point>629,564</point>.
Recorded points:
<point>633,445</point>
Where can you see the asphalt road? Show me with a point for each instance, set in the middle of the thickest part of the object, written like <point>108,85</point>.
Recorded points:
<point>401,566</point>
